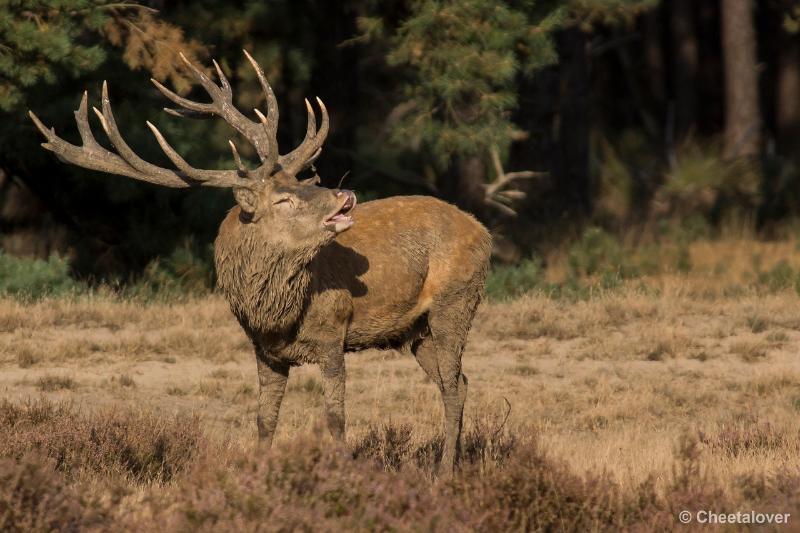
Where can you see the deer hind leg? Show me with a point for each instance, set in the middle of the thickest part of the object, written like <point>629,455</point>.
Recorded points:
<point>439,355</point>
<point>272,377</point>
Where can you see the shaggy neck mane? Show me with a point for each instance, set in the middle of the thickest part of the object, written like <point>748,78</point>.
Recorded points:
<point>265,283</point>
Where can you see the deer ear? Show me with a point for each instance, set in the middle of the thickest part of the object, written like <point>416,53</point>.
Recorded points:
<point>246,198</point>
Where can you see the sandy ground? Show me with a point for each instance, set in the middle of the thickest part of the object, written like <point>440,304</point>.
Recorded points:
<point>607,384</point>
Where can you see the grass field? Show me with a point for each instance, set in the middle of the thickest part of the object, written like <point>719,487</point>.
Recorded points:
<point>671,387</point>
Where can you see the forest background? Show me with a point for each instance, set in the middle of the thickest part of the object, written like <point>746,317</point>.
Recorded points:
<point>636,127</point>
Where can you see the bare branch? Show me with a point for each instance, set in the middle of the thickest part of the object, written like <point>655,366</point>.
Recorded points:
<point>497,195</point>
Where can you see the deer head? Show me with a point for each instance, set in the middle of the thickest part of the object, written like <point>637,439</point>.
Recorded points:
<point>296,211</point>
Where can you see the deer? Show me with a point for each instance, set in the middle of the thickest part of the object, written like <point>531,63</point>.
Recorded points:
<point>309,273</point>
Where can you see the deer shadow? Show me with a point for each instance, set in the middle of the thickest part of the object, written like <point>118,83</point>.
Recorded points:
<point>339,267</point>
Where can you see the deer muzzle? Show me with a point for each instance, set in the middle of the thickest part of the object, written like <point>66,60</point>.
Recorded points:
<point>341,219</point>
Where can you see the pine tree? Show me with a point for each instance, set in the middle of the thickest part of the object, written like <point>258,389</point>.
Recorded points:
<point>462,59</point>
<point>465,56</point>
<point>42,41</point>
<point>49,52</point>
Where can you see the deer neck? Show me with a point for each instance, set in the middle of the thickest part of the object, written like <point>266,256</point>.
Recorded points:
<point>266,284</point>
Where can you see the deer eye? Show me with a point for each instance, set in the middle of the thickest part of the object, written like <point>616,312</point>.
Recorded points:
<point>286,200</point>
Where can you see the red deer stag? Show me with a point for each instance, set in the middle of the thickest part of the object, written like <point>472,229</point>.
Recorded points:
<point>305,283</point>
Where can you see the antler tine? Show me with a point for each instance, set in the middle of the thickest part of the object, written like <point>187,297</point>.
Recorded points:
<point>76,155</point>
<point>236,157</point>
<point>311,131</point>
<point>269,94</point>
<point>211,178</point>
<point>93,156</point>
<point>272,140</point>
<point>217,94</point>
<point>190,105</point>
<point>271,127</point>
<point>313,157</point>
<point>305,154</point>
<point>190,109</point>
<point>125,162</point>
<point>82,121</point>
<point>221,105</point>
<point>311,122</point>
<point>110,126</point>
<point>226,86</point>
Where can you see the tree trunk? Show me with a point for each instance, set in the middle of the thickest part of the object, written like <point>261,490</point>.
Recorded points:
<point>742,114</point>
<point>685,61</point>
<point>465,188</point>
<point>787,96</point>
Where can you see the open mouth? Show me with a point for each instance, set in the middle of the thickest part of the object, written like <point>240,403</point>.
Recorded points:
<point>341,219</point>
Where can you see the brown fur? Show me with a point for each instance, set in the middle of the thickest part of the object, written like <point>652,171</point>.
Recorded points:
<point>410,273</point>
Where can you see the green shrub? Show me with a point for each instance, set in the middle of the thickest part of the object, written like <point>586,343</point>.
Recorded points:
<point>701,174</point>
<point>510,281</point>
<point>597,252</point>
<point>780,277</point>
<point>35,278</point>
<point>187,270</point>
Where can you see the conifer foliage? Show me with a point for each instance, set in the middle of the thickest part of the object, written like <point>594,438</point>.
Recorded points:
<point>42,41</point>
<point>464,57</point>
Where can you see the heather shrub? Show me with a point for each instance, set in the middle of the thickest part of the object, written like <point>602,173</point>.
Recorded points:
<point>739,440</point>
<point>320,486</point>
<point>690,489</point>
<point>137,447</point>
<point>313,486</point>
<point>393,447</point>
<point>61,469</point>
<point>390,446</point>
<point>486,446</point>
<point>35,498</point>
<point>534,493</point>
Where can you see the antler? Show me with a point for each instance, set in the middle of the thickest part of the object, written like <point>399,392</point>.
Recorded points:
<point>125,162</point>
<point>262,135</point>
<point>496,194</point>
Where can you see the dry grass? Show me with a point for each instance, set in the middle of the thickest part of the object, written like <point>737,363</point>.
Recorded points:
<point>56,383</point>
<point>611,384</point>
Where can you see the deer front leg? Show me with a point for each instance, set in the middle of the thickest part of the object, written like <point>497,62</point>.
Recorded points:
<point>272,378</point>
<point>333,385</point>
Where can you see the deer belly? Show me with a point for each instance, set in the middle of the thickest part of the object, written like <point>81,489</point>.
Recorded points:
<point>385,319</point>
